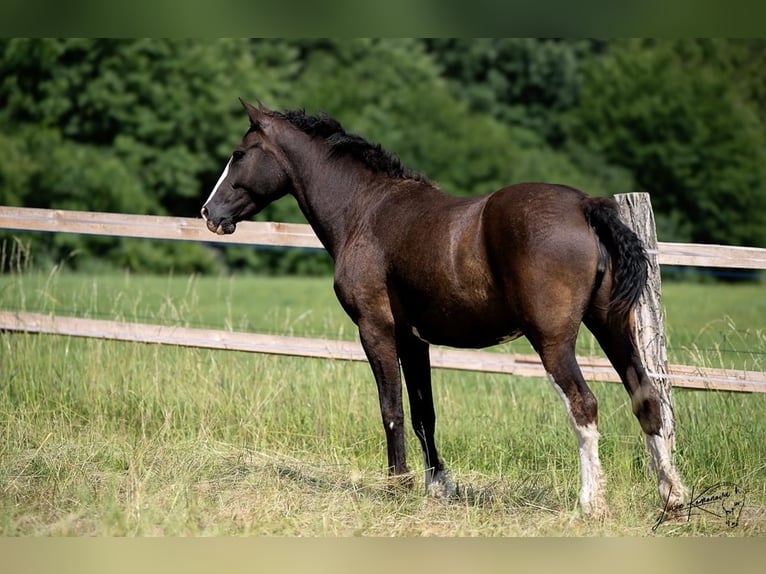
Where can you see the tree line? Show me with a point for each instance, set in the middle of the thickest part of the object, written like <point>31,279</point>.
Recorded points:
<point>146,125</point>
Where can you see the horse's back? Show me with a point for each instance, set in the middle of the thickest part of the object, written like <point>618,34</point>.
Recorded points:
<point>533,207</point>
<point>532,218</point>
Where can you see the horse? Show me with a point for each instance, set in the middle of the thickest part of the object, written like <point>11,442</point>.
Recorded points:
<point>415,266</point>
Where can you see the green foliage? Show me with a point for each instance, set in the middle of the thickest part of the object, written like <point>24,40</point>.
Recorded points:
<point>133,126</point>
<point>145,126</point>
<point>686,133</point>
<point>16,170</point>
<point>523,81</point>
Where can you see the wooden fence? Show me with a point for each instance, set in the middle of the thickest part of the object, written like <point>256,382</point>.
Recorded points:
<point>301,235</point>
<point>298,234</point>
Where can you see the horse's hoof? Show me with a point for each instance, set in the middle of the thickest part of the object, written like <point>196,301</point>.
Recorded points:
<point>440,486</point>
<point>673,493</point>
<point>595,509</point>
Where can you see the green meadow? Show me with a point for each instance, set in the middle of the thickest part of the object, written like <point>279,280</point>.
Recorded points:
<point>108,438</point>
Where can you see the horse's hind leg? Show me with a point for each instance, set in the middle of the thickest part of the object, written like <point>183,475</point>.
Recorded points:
<point>615,335</point>
<point>582,409</point>
<point>416,366</point>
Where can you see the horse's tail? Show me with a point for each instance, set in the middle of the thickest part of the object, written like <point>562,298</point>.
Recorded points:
<point>629,260</point>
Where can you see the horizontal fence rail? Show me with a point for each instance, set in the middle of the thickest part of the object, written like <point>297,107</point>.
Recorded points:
<point>593,368</point>
<point>155,227</point>
<point>301,235</point>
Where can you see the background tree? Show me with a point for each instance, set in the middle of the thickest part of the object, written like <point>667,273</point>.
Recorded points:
<point>146,126</point>
<point>518,81</point>
<point>674,116</point>
<point>134,126</point>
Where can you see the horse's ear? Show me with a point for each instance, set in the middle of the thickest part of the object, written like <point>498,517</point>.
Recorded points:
<point>256,115</point>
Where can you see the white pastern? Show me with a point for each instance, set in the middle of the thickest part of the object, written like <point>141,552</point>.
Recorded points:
<point>591,474</point>
<point>220,181</point>
<point>672,490</point>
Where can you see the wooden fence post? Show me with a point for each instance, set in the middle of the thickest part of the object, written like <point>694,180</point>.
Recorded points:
<point>636,212</point>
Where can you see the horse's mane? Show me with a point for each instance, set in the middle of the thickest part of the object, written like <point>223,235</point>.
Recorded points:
<point>346,144</point>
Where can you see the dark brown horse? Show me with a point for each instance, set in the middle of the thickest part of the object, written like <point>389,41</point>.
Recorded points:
<point>415,266</point>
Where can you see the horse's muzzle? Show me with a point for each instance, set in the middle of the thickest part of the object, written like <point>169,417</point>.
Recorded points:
<point>223,226</point>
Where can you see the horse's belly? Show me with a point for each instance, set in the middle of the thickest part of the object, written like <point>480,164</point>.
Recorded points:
<point>464,328</point>
<point>465,338</point>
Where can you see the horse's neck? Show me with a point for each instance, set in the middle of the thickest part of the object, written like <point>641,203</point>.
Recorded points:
<point>332,201</point>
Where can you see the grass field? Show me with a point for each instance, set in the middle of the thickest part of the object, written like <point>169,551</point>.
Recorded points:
<point>109,438</point>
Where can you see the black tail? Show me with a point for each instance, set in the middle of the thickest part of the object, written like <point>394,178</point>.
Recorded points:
<point>629,259</point>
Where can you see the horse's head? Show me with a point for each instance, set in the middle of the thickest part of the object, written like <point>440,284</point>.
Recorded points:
<point>254,177</point>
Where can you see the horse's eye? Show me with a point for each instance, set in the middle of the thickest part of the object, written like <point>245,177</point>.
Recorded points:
<point>237,155</point>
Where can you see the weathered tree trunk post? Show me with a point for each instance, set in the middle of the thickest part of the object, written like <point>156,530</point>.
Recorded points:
<point>636,212</point>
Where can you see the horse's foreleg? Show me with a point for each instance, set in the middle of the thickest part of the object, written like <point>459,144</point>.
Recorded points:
<point>379,344</point>
<point>416,365</point>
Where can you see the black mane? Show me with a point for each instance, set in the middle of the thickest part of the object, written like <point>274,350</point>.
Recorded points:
<point>345,144</point>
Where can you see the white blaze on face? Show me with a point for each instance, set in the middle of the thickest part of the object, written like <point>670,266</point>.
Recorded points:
<point>218,184</point>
